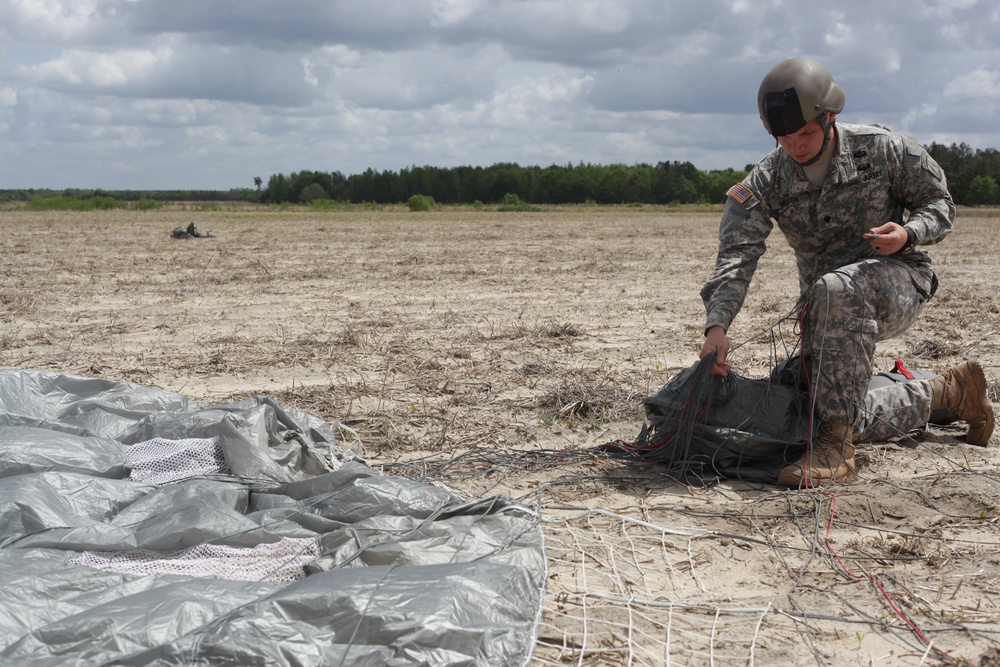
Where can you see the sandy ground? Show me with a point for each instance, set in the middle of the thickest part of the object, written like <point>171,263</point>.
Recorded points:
<point>488,351</point>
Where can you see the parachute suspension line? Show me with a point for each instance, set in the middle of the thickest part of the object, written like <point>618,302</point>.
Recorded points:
<point>670,443</point>
<point>680,435</point>
<point>814,335</point>
<point>875,579</point>
<point>812,365</point>
<point>802,325</point>
<point>773,333</point>
<point>698,392</point>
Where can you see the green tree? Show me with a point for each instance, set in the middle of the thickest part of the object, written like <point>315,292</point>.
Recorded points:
<point>421,203</point>
<point>983,191</point>
<point>312,192</point>
<point>277,189</point>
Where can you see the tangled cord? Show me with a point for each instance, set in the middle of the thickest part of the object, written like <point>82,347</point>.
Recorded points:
<point>698,390</point>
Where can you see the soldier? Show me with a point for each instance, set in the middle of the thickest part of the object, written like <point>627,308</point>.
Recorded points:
<point>838,193</point>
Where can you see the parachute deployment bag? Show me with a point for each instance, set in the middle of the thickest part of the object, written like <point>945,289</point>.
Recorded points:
<point>702,426</point>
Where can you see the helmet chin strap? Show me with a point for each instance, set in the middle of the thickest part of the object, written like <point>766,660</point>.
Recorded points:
<point>824,122</point>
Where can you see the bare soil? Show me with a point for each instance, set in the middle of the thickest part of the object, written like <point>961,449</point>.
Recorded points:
<point>489,351</point>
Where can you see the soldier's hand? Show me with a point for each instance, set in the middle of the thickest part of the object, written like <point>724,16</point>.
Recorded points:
<point>716,341</point>
<point>888,238</point>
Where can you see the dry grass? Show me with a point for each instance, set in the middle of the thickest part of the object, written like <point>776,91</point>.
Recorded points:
<point>490,351</point>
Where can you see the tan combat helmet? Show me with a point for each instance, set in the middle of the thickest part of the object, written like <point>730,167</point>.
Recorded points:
<point>796,92</point>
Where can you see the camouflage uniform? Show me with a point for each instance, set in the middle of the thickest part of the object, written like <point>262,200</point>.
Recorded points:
<point>854,296</point>
<point>892,410</point>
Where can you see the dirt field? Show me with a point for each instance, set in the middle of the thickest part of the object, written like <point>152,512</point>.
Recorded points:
<point>483,350</point>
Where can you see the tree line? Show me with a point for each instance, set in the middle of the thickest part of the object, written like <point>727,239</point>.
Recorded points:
<point>102,196</point>
<point>973,177</point>
<point>665,183</point>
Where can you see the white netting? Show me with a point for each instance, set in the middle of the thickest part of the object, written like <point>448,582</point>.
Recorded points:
<point>281,561</point>
<point>161,461</point>
<point>625,591</point>
<point>736,574</point>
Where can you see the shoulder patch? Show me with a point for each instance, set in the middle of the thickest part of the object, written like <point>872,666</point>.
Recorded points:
<point>740,193</point>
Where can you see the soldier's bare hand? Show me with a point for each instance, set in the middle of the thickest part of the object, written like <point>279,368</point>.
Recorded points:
<point>888,238</point>
<point>716,341</point>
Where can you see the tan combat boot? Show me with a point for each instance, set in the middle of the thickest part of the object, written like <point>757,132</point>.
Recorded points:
<point>962,390</point>
<point>829,459</point>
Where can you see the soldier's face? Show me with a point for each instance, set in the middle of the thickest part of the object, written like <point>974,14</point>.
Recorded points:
<point>804,144</point>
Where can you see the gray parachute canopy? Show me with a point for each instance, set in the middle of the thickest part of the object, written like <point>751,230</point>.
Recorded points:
<point>138,528</point>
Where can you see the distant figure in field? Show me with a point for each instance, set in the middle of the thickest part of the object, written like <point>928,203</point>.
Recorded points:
<point>190,232</point>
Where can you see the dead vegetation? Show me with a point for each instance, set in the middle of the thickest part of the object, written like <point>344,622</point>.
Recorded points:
<point>491,352</point>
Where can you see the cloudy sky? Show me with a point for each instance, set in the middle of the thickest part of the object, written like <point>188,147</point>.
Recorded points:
<point>208,94</point>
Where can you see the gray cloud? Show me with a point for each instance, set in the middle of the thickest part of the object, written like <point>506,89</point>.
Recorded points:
<point>193,94</point>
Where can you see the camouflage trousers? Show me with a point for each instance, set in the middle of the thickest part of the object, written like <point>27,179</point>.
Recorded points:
<point>847,311</point>
<point>892,410</point>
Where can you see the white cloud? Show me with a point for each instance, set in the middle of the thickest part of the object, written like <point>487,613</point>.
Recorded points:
<point>839,33</point>
<point>451,12</point>
<point>405,79</point>
<point>981,83</point>
<point>601,16</point>
<point>188,93</point>
<point>99,71</point>
<point>945,9</point>
<point>915,117</point>
<point>60,20</point>
<point>328,63</point>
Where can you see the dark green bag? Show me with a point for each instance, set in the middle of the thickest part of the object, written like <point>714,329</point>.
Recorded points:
<point>701,427</point>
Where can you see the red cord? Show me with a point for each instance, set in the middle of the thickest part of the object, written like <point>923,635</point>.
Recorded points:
<point>800,327</point>
<point>878,584</point>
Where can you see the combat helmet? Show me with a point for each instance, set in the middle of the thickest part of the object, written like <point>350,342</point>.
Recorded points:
<point>796,92</point>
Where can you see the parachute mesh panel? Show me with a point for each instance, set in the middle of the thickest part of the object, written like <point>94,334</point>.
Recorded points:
<point>161,461</point>
<point>281,561</point>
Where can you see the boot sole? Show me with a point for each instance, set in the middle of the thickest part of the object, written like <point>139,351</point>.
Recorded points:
<point>980,432</point>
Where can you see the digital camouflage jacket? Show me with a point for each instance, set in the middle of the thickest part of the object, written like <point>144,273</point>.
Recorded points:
<point>876,176</point>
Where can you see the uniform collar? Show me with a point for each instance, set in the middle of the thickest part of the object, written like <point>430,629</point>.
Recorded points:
<point>842,165</point>
<point>844,168</point>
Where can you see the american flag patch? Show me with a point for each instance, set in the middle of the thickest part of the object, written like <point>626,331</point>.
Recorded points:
<point>740,193</point>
